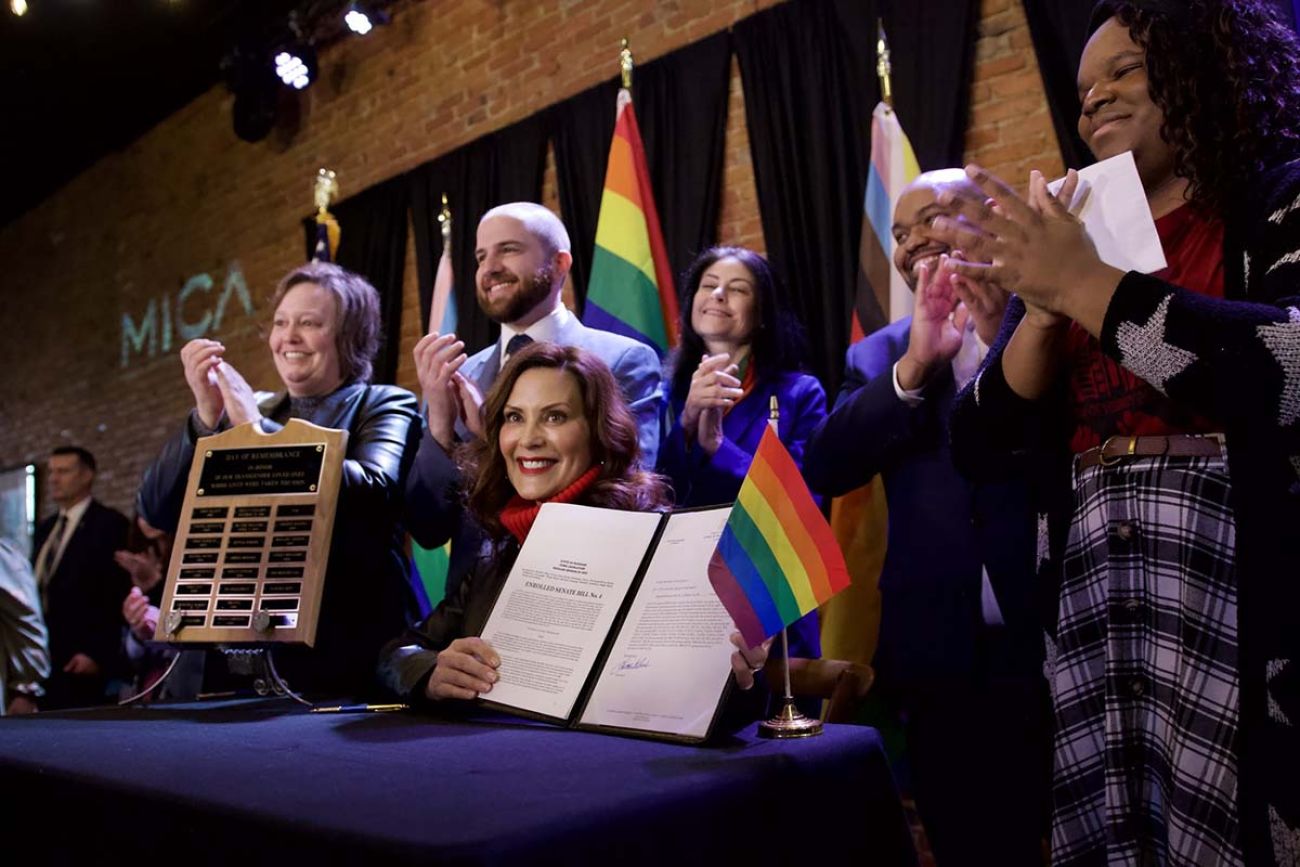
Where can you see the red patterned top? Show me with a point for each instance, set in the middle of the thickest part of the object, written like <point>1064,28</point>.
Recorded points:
<point>1105,398</point>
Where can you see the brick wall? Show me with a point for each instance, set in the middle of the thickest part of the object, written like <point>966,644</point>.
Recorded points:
<point>189,199</point>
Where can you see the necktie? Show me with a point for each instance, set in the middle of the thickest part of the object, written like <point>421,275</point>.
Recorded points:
<point>52,550</point>
<point>516,343</point>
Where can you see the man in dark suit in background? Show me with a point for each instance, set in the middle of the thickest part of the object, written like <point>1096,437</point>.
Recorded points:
<point>523,258</point>
<point>960,648</point>
<point>81,586</point>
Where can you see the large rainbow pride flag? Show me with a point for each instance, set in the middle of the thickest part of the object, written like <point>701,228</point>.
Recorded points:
<point>777,558</point>
<point>630,290</point>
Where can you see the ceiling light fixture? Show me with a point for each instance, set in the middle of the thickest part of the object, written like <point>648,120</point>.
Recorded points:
<point>296,66</point>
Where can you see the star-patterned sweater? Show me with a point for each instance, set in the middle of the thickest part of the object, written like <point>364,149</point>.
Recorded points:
<point>1236,360</point>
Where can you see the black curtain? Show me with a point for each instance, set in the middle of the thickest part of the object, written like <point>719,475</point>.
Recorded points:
<point>1059,29</point>
<point>373,227</point>
<point>503,166</point>
<point>681,109</point>
<point>808,71</point>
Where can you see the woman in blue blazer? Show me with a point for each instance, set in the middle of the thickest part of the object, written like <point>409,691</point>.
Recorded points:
<point>740,347</point>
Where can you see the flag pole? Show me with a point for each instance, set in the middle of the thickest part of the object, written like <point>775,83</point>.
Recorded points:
<point>625,64</point>
<point>789,721</point>
<point>444,222</point>
<point>884,69</point>
<point>327,227</point>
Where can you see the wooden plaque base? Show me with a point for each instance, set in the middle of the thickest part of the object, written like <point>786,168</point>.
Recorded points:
<point>248,563</point>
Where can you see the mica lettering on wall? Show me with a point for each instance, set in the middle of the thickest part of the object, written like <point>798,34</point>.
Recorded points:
<point>166,320</point>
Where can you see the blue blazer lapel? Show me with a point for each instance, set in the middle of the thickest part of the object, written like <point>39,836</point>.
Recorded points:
<point>745,418</point>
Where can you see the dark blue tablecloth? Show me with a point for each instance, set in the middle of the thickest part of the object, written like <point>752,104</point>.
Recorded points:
<point>257,783</point>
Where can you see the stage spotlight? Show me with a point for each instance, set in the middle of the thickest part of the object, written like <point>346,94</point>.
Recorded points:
<point>361,18</point>
<point>358,20</point>
<point>296,66</point>
<point>18,7</point>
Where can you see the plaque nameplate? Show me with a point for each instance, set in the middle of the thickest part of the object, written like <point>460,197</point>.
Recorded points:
<point>265,470</point>
<point>285,588</point>
<point>256,523</point>
<point>210,512</point>
<point>237,589</point>
<point>253,512</point>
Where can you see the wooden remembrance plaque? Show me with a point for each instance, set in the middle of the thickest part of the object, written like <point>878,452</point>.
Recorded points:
<point>248,563</point>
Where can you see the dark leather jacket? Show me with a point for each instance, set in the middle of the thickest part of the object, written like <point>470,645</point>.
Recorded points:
<point>367,596</point>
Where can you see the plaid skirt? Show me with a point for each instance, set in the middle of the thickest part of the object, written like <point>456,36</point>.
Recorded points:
<point>1145,681</point>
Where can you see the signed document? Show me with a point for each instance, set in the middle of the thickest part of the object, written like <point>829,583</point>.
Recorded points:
<point>561,600</point>
<point>672,658</point>
<point>608,621</point>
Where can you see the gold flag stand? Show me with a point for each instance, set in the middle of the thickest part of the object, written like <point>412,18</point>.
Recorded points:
<point>789,721</point>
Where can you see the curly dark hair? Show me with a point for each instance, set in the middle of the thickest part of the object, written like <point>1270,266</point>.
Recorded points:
<point>778,343</point>
<point>1224,73</point>
<point>621,484</point>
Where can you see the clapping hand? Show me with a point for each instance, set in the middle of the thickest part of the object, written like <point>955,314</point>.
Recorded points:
<point>1038,248</point>
<point>938,325</point>
<point>145,567</point>
<point>438,359</point>
<point>714,388</point>
<point>200,357</point>
<point>238,396</point>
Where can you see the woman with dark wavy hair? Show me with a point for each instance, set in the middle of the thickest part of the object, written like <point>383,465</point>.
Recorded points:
<point>557,430</point>
<point>750,349</point>
<point>1173,400</point>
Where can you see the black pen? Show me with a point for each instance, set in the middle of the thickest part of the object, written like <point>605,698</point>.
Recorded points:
<point>361,708</point>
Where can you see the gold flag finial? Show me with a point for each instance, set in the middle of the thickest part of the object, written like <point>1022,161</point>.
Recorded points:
<point>883,68</point>
<point>327,187</point>
<point>625,64</point>
<point>444,221</point>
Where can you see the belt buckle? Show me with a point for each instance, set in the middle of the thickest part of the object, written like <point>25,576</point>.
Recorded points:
<point>1107,461</point>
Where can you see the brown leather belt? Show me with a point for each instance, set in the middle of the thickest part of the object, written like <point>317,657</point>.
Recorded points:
<point>1117,449</point>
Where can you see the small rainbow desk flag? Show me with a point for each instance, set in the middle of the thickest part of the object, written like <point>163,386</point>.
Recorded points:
<point>777,558</point>
<point>630,291</point>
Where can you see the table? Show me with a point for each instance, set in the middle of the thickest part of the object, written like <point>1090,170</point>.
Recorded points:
<point>262,782</point>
